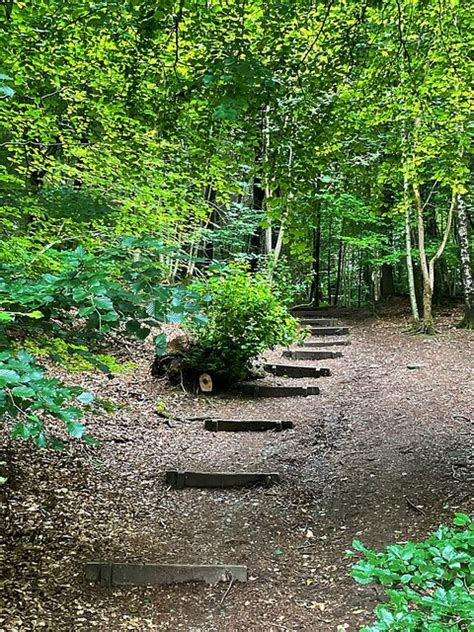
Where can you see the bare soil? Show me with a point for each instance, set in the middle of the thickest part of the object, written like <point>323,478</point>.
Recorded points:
<point>384,454</point>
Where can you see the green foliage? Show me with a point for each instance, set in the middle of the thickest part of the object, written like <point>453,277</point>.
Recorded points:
<point>65,312</point>
<point>245,316</point>
<point>279,275</point>
<point>118,288</point>
<point>74,358</point>
<point>429,584</point>
<point>28,399</point>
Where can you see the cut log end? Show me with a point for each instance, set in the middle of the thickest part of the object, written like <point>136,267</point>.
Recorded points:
<point>205,383</point>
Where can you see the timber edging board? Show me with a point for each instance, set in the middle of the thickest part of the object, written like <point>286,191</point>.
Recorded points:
<point>179,480</point>
<point>296,371</point>
<point>309,354</point>
<point>264,390</point>
<point>217,425</point>
<point>329,331</point>
<point>327,343</point>
<point>321,322</point>
<point>109,574</point>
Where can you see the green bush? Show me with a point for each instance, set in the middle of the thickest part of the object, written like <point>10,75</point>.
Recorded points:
<point>66,311</point>
<point>28,398</point>
<point>245,316</point>
<point>429,584</point>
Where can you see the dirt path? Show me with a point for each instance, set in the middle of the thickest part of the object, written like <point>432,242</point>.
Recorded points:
<point>384,454</point>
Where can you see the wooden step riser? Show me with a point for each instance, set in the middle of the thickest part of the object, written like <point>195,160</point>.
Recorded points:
<point>329,331</point>
<point>227,425</point>
<point>320,322</point>
<point>210,480</point>
<point>110,574</point>
<point>282,370</point>
<point>328,343</point>
<point>253,390</point>
<point>312,355</point>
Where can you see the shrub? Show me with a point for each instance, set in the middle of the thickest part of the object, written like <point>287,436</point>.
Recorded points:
<point>28,398</point>
<point>62,312</point>
<point>429,584</point>
<point>245,316</point>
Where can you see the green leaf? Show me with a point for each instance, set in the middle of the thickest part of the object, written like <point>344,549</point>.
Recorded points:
<point>160,344</point>
<point>41,440</point>
<point>461,520</point>
<point>85,397</point>
<point>7,91</point>
<point>23,391</point>
<point>34,314</point>
<point>75,429</point>
<point>8,376</point>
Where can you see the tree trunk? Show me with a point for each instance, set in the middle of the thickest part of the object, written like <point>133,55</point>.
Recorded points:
<point>427,325</point>
<point>428,268</point>
<point>339,270</point>
<point>466,269</point>
<point>329,262</point>
<point>409,259</point>
<point>210,197</point>
<point>376,278</point>
<point>387,285</point>
<point>316,266</point>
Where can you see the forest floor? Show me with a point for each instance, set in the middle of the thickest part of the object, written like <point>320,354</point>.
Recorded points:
<point>384,454</point>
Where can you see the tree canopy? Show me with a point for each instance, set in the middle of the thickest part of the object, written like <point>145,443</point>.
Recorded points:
<point>327,144</point>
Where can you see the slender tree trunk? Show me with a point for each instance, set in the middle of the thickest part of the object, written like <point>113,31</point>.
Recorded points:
<point>466,269</point>
<point>279,241</point>
<point>428,268</point>
<point>387,284</point>
<point>316,266</point>
<point>409,259</point>
<point>210,197</point>
<point>376,279</point>
<point>428,326</point>
<point>329,262</point>
<point>268,192</point>
<point>339,271</point>
<point>359,287</point>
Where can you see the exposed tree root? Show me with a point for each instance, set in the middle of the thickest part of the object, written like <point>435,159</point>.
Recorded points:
<point>466,323</point>
<point>421,327</point>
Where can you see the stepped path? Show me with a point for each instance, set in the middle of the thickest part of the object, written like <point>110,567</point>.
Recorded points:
<point>383,453</point>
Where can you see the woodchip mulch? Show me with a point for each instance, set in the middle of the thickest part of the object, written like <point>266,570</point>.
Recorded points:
<point>384,454</point>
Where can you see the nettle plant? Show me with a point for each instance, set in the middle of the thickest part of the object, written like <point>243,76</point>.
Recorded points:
<point>245,316</point>
<point>85,297</point>
<point>429,584</point>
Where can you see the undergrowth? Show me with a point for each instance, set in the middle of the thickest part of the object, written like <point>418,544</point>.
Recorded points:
<point>429,585</point>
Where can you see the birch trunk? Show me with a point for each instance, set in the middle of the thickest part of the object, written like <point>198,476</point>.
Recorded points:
<point>466,269</point>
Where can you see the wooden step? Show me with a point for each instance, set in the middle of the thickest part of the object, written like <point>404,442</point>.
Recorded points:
<point>227,425</point>
<point>179,480</point>
<point>329,331</point>
<point>320,322</point>
<point>334,342</point>
<point>305,313</point>
<point>111,574</point>
<point>309,354</point>
<point>267,390</point>
<point>295,370</point>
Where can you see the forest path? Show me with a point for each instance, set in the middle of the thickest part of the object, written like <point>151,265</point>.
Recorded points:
<point>383,454</point>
